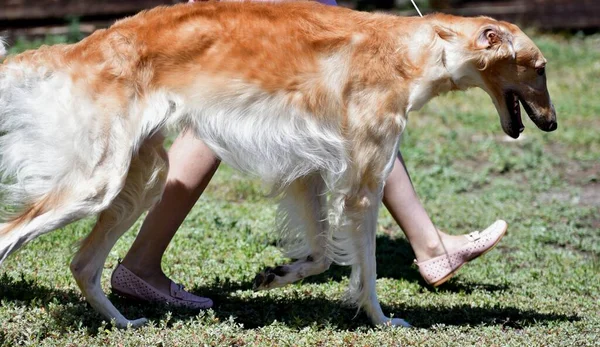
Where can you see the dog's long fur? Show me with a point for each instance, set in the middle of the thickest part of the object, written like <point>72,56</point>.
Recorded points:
<point>311,98</point>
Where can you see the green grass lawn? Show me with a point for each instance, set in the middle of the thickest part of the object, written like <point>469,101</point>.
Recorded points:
<point>540,286</point>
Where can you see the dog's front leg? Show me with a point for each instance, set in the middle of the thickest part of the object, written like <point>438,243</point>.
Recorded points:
<point>363,211</point>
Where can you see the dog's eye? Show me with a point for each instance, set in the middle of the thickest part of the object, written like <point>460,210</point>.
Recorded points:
<point>541,71</point>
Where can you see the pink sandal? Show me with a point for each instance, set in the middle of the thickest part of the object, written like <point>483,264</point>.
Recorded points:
<point>127,284</point>
<point>438,270</point>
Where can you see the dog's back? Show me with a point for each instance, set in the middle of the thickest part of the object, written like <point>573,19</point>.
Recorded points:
<point>60,106</point>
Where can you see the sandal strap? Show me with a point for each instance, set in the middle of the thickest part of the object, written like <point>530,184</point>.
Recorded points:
<point>474,236</point>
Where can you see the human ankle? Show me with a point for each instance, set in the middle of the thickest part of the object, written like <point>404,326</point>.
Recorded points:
<point>141,269</point>
<point>440,245</point>
<point>429,249</point>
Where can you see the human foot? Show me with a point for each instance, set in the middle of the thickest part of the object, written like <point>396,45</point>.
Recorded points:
<point>124,282</point>
<point>458,251</point>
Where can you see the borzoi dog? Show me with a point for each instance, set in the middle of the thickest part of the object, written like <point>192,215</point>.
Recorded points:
<point>310,98</point>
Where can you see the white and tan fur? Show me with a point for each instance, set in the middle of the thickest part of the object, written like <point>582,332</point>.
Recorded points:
<point>310,98</point>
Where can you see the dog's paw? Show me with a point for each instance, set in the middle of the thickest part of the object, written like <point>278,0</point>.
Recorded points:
<point>397,322</point>
<point>269,278</point>
<point>136,323</point>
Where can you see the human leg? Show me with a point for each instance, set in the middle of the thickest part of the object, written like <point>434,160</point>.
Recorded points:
<point>427,242</point>
<point>401,200</point>
<point>192,165</point>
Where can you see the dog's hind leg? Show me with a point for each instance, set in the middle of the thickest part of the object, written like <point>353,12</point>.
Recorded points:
<point>143,187</point>
<point>303,222</point>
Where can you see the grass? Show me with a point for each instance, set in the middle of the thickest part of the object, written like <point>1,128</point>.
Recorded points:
<point>540,286</point>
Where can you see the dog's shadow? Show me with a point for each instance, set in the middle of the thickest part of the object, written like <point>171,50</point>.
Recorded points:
<point>298,313</point>
<point>394,260</point>
<point>67,309</point>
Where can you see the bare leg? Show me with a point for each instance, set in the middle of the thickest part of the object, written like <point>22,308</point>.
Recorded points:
<point>192,166</point>
<point>402,202</point>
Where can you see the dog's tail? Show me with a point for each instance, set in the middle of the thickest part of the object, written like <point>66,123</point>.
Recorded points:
<point>22,226</point>
<point>40,152</point>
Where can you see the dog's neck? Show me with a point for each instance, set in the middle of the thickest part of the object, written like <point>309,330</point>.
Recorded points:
<point>446,68</point>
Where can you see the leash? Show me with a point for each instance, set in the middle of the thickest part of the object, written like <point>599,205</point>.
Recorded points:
<point>416,7</point>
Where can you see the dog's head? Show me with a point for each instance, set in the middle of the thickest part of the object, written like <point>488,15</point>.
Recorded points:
<point>511,69</point>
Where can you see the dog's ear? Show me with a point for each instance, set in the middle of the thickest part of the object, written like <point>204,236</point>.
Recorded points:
<point>499,42</point>
<point>488,37</point>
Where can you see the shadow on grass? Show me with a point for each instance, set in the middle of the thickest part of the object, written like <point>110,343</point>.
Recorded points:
<point>394,260</point>
<point>297,312</point>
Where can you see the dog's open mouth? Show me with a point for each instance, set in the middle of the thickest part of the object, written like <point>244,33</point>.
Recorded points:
<point>514,110</point>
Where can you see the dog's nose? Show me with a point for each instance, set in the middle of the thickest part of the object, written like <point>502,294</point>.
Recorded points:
<point>553,126</point>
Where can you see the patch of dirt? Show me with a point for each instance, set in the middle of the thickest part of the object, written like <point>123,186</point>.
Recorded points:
<point>584,177</point>
<point>559,196</point>
<point>573,249</point>
<point>574,172</point>
<point>590,195</point>
<point>578,174</point>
